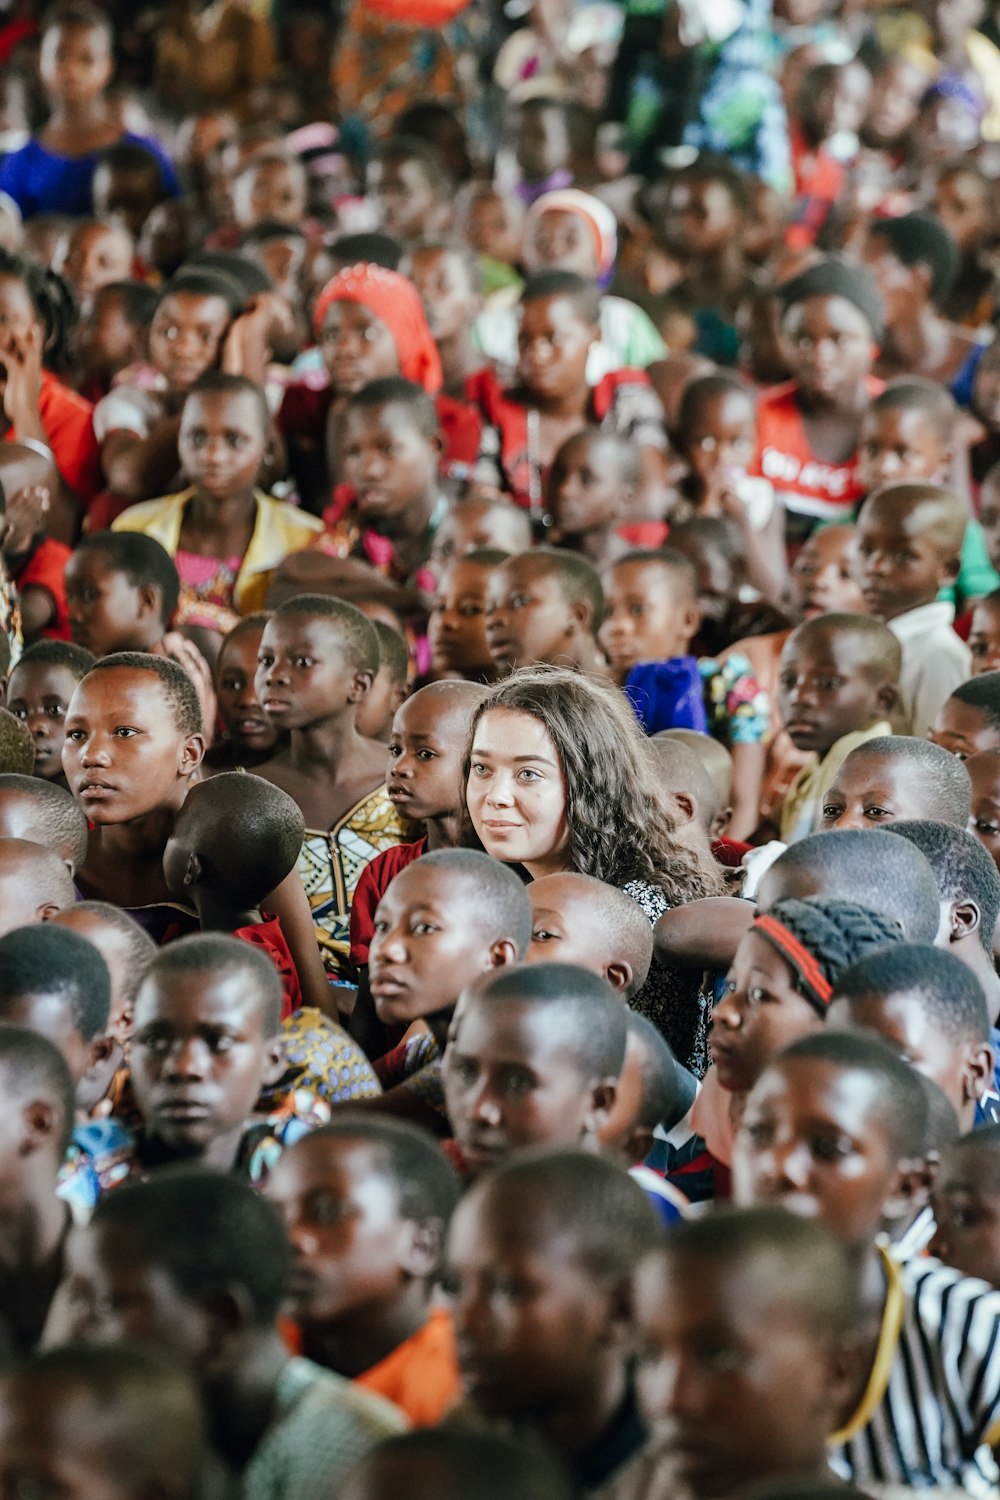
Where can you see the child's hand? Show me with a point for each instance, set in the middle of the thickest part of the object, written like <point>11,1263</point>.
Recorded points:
<point>22,360</point>
<point>247,348</point>
<point>27,511</point>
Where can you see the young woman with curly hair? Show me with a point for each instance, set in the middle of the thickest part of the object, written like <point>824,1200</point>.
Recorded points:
<point>558,776</point>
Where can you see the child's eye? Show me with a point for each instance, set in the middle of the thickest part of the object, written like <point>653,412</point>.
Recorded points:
<point>877,812</point>
<point>469,611</point>
<point>988,830</point>
<point>829,684</point>
<point>829,1148</point>
<point>518,601</point>
<point>125,732</point>
<point>542,935</point>
<point>233,684</point>
<point>56,710</point>
<point>758,996</point>
<point>380,925</point>
<point>265,661</point>
<point>424,929</point>
<point>517,1084</point>
<point>395,751</point>
<point>831,812</point>
<point>75,734</point>
<point>302,662</point>
<point>19,713</point>
<point>637,611</point>
<point>426,755</point>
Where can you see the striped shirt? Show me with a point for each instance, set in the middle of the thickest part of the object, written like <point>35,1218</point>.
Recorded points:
<point>931,1410</point>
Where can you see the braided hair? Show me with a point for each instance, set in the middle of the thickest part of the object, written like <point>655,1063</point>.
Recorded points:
<point>820,938</point>
<point>51,299</point>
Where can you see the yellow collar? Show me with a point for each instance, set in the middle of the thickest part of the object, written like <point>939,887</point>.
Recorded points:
<point>885,1353</point>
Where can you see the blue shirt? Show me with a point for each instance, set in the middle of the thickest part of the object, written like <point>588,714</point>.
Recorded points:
<point>42,182</point>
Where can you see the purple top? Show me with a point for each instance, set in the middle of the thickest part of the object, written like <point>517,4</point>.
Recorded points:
<point>42,182</point>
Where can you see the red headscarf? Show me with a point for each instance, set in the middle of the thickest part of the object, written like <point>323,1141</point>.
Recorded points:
<point>394,301</point>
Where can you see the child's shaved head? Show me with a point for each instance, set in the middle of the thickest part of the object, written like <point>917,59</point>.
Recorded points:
<point>580,920</point>
<point>356,632</point>
<point>683,775</point>
<point>34,884</point>
<point>936,512</point>
<point>489,892</point>
<point>44,813</point>
<point>962,868</point>
<point>935,780</point>
<point>216,954</point>
<point>932,400</point>
<point>236,835</point>
<point>578,581</point>
<point>874,643</point>
<point>17,747</point>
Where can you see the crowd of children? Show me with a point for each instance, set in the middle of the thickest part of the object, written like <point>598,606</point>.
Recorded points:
<point>499,750</point>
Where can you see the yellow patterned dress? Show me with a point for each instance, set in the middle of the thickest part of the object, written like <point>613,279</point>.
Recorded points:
<point>331,863</point>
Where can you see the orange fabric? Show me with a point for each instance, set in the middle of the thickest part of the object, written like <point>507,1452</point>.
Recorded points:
<point>421,1375</point>
<point>391,298</point>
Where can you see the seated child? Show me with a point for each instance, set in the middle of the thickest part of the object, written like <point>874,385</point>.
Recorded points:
<point>225,535</point>
<point>782,1292</point>
<point>17,748</point>
<point>34,884</point>
<point>909,542</point>
<point>452,1461</point>
<point>43,813</point>
<point>130,1420</point>
<point>193,1240</point>
<point>249,735</point>
<point>984,634</point>
<point>35,561</point>
<point>390,687</point>
<point>38,692</point>
<point>317,660</point>
<point>110,334</point>
<point>718,762</point>
<point>591,495</point>
<point>654,1092</point>
<point>557,1029</point>
<point>894,777</point>
<point>361,1301</point>
<point>95,253</point>
<point>966,1200</point>
<point>685,779</point>
<point>930,1011</point>
<point>969,721</point>
<point>38,1094</point>
<point>574,1229</point>
<point>940,1332</point>
<point>576,919</point>
<point>545,606</point>
<point>132,786</point>
<point>969,888</point>
<point>473,524</point>
<point>984,816</point>
<point>837,688</point>
<point>56,983</point>
<point>122,590</point>
<point>456,630</point>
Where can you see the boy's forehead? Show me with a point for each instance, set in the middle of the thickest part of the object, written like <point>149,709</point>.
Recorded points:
<point>198,996</point>
<point>875,770</point>
<point>111,686</point>
<point>233,407</point>
<point>646,577</point>
<point>298,625</point>
<point>436,714</point>
<point>415,885</point>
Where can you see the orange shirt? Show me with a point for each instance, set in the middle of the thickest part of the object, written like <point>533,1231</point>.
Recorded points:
<point>420,1376</point>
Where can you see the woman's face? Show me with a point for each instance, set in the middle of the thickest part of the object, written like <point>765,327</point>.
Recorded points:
<point>516,792</point>
<point>356,346</point>
<point>553,344</point>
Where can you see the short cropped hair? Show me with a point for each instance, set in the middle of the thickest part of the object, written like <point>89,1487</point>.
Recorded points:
<point>143,561</point>
<point>17,748</point>
<point>706,388</point>
<point>204,281</point>
<point>961,866</point>
<point>414,148</point>
<point>394,390</point>
<point>586,1014</point>
<point>71,14</point>
<point>901,1101</point>
<point>393,651</point>
<point>594,1203</point>
<point>40,873</point>
<point>880,646</point>
<point>577,578</point>
<point>208,1231</point>
<point>983,692</point>
<point>137,300</point>
<point>141,948</point>
<point>133,156</point>
<point>498,895</point>
<point>177,687</point>
<point>373,249</point>
<point>219,383</point>
<point>30,1062</point>
<point>216,953</point>
<point>467,1459</point>
<point>943,987</point>
<point>658,1071</point>
<point>58,820</point>
<point>849,865</point>
<point>46,959</point>
<point>409,1158</point>
<point>914,393</point>
<point>584,295</point>
<point>681,769</point>
<point>943,776</point>
<point>920,239</point>
<point>357,634</point>
<point>811,1267</point>
<point>76,659</point>
<point>246,832</point>
<point>668,558</point>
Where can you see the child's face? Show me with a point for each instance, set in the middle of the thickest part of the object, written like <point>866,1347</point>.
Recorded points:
<point>824,574</point>
<point>268,190</point>
<point>456,630</point>
<point>494,228</point>
<point>812,1140</point>
<point>721,437</point>
<point>117,953</point>
<point>541,142</point>
<point>185,336</point>
<point>59,1440</point>
<point>984,821</point>
<point>903,562</point>
<point>39,694</point>
<point>409,204</point>
<point>348,1237</point>
<point>901,1019</point>
<point>989,517</point>
<point>424,775</point>
<point>553,344</point>
<point>50,1014</point>
<point>516,792</point>
<point>530,1318</point>
<point>760,1014</point>
<point>967,1213</point>
<point>423,952</point>
<point>649,615</point>
<point>199,1058</point>
<point>356,346</point>
<point>124,756</point>
<point>387,460</point>
<point>302,676</point>
<point>759,1393</point>
<point>962,203</point>
<point>248,726</point>
<point>828,687</point>
<point>529,618</point>
<point>18,317</point>
<point>443,285</point>
<point>75,63</point>
<point>871,789</point>
<point>96,254</point>
<point>717,581</point>
<point>222,443</point>
<point>963,730</point>
<point>587,491</point>
<point>480,523</point>
<point>892,108</point>
<point>378,707</point>
<point>698,218</point>
<point>105,341</point>
<point>510,1083</point>
<point>830,347</point>
<point>900,443</point>
<point>568,927</point>
<point>561,239</point>
<point>984,638</point>
<point>106,612</point>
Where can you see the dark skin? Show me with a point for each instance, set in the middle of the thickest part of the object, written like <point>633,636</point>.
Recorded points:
<point>917,340</point>
<point>221,445</point>
<point>76,66</point>
<point>33,1221</point>
<point>831,351</point>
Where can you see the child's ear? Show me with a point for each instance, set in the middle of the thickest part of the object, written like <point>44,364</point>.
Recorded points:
<point>692,619</point>
<point>619,976</point>
<point>275,1061</point>
<point>603,1094</point>
<point>49,910</point>
<point>360,685</point>
<point>101,1051</point>
<point>400,693</point>
<point>964,918</point>
<point>422,1248</point>
<point>192,754</point>
<point>582,616</point>
<point>226,1315</point>
<point>192,871</point>
<point>150,601</point>
<point>977,1072</point>
<point>720,823</point>
<point>637,1144</point>
<point>887,698</point>
<point>910,1192</point>
<point>40,1124</point>
<point>686,806</point>
<point>951,569</point>
<point>502,953</point>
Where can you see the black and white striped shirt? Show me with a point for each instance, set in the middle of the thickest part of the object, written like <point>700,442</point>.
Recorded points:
<point>931,1411</point>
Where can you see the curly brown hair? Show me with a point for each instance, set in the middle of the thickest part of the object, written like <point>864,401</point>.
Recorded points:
<point>620,828</point>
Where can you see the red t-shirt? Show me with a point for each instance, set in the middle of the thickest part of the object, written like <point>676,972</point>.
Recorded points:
<point>268,936</point>
<point>45,568</point>
<point>373,882</point>
<point>805,484</point>
<point>69,431</point>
